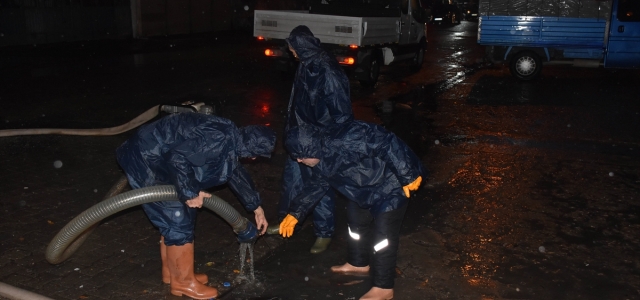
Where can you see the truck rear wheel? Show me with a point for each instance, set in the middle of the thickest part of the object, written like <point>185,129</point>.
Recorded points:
<point>525,65</point>
<point>374,73</point>
<point>418,59</point>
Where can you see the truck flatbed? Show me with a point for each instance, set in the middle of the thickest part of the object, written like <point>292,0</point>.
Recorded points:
<point>330,29</point>
<point>519,31</point>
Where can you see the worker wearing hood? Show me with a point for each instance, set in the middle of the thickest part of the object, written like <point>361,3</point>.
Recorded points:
<point>320,97</point>
<point>192,152</point>
<point>376,171</point>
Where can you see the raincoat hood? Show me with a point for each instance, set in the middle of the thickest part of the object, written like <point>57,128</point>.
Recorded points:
<point>304,141</point>
<point>304,43</point>
<point>256,140</point>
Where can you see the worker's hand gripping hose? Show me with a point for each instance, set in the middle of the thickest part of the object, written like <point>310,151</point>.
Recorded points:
<point>71,236</point>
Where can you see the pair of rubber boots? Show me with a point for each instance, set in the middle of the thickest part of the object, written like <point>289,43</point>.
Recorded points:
<point>177,270</point>
<point>320,245</point>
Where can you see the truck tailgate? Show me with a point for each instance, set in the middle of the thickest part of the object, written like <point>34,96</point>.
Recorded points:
<point>340,30</point>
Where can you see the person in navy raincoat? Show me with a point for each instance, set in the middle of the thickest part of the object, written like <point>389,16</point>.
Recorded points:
<point>320,97</point>
<point>192,152</point>
<point>376,171</point>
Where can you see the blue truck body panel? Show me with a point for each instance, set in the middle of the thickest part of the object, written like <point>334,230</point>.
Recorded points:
<point>611,37</point>
<point>623,44</point>
<point>519,31</point>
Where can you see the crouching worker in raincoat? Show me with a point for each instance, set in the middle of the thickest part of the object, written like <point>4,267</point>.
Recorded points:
<point>193,152</point>
<point>376,171</point>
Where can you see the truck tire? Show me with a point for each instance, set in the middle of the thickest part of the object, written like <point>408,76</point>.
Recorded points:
<point>418,59</point>
<point>374,73</point>
<point>525,65</point>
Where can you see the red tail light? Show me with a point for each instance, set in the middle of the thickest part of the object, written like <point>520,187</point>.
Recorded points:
<point>273,52</point>
<point>347,60</point>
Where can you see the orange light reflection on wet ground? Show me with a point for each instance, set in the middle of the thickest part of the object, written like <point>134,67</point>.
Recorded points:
<point>481,178</point>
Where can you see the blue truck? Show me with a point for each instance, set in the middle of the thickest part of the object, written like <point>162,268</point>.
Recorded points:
<point>588,33</point>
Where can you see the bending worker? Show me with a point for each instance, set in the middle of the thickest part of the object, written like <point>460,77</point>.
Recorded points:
<point>192,152</point>
<point>320,97</point>
<point>376,171</point>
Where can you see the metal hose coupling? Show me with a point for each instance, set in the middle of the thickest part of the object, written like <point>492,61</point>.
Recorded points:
<point>249,234</point>
<point>199,107</point>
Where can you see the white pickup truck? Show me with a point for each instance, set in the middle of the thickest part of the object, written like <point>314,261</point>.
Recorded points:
<point>362,37</point>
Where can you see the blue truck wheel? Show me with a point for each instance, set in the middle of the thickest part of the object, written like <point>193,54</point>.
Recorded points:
<point>525,65</point>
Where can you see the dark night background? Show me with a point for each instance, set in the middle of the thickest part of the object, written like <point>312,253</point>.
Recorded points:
<point>532,191</point>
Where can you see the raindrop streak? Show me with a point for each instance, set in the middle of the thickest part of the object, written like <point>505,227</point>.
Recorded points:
<point>243,254</point>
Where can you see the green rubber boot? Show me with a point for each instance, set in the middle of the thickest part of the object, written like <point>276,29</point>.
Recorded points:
<point>320,245</point>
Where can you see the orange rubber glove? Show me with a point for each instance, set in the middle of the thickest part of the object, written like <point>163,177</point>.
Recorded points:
<point>287,225</point>
<point>412,186</point>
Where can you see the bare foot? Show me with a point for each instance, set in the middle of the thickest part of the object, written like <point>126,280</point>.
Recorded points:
<point>376,293</point>
<point>347,268</point>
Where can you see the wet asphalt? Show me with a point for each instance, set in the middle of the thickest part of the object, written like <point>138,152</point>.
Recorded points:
<point>532,192</point>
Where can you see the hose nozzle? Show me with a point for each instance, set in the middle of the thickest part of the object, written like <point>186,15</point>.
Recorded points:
<point>185,108</point>
<point>249,234</point>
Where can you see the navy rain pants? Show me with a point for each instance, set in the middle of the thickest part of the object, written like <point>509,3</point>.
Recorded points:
<point>175,220</point>
<point>374,242</point>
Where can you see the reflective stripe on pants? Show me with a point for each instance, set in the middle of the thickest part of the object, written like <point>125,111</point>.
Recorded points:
<point>377,245</point>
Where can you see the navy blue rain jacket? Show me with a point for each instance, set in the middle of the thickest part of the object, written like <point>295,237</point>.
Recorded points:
<point>320,94</point>
<point>364,161</point>
<point>194,152</point>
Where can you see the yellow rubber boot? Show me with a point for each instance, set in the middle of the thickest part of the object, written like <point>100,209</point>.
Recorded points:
<point>376,293</point>
<point>349,269</point>
<point>166,274</point>
<point>183,280</point>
